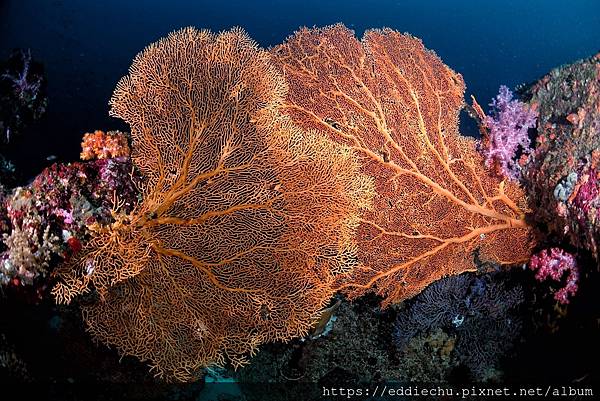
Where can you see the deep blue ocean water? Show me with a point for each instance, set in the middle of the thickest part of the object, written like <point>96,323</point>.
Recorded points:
<point>86,46</point>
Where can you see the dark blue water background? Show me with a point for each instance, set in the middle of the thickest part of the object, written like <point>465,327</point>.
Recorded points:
<point>87,45</point>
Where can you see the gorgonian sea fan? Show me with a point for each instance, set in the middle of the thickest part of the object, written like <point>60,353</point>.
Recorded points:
<point>245,221</point>
<point>479,310</point>
<point>396,104</point>
<point>251,220</point>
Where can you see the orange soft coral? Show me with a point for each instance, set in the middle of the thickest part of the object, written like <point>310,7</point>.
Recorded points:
<point>104,145</point>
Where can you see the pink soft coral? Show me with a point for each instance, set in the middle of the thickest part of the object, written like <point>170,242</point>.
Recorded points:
<point>553,263</point>
<point>507,131</point>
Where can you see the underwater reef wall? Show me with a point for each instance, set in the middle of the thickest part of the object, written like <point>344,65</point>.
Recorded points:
<point>562,177</point>
<point>261,183</point>
<point>46,222</point>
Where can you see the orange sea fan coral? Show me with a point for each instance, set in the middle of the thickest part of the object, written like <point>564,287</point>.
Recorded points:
<point>396,104</point>
<point>246,220</point>
<point>104,145</point>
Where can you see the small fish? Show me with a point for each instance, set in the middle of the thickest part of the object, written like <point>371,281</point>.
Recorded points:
<point>320,324</point>
<point>51,158</point>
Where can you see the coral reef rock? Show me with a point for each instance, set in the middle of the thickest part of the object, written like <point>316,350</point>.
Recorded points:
<point>563,174</point>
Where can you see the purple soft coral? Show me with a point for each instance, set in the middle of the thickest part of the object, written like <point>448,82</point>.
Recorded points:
<point>554,263</point>
<point>508,124</point>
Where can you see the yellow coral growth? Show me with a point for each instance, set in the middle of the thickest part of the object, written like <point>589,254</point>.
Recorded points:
<point>246,220</point>
<point>397,104</point>
<point>104,145</point>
